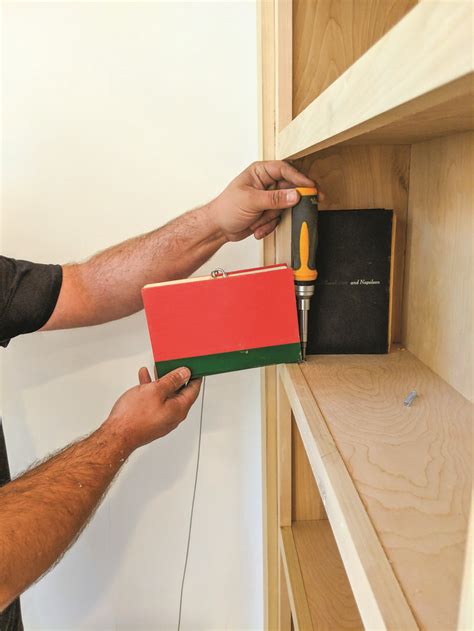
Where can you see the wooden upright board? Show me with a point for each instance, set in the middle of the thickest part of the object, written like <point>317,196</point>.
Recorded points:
<point>438,301</point>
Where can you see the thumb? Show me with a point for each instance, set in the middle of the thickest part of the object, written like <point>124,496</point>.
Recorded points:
<point>143,376</point>
<point>274,199</point>
<point>170,383</point>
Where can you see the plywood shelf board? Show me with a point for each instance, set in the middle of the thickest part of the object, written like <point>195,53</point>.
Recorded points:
<point>449,117</point>
<point>409,467</point>
<point>417,69</point>
<point>379,598</point>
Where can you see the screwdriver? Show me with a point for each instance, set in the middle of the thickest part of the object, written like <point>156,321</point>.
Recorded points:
<point>304,241</point>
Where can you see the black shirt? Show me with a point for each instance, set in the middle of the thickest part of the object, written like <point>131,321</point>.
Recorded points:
<point>28,294</point>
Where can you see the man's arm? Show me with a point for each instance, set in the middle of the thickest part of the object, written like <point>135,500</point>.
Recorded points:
<point>43,511</point>
<point>107,286</point>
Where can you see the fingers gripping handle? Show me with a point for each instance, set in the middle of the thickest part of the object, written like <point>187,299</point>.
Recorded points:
<point>304,236</point>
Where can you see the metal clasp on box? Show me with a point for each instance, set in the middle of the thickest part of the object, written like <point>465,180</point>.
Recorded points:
<point>219,273</point>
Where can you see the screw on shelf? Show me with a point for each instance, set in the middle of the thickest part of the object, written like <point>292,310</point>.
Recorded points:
<point>410,398</point>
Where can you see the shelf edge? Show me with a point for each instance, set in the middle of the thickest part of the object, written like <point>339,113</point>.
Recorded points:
<point>379,597</point>
<point>294,581</point>
<point>360,101</point>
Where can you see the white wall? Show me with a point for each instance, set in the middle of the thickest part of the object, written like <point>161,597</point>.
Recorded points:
<point>117,117</point>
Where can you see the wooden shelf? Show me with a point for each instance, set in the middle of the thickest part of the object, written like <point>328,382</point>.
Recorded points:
<point>415,83</point>
<point>396,481</point>
<point>375,101</point>
<point>319,592</point>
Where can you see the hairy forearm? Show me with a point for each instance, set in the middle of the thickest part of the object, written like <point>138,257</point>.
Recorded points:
<point>108,285</point>
<point>43,511</point>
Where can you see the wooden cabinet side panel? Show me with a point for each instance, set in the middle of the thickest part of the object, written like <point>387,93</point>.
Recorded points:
<point>438,306</point>
<point>284,609</point>
<point>267,121</point>
<point>284,57</point>
<point>284,439</point>
<point>305,499</point>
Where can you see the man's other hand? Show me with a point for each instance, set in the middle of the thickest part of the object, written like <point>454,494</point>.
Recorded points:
<point>153,408</point>
<point>254,201</point>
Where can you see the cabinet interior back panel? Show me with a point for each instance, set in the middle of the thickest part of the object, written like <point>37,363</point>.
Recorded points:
<point>361,177</point>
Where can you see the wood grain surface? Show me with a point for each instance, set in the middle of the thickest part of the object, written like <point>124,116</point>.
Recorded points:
<point>284,56</point>
<point>399,90</point>
<point>301,616</point>
<point>396,482</point>
<point>284,440</point>
<point>267,142</point>
<point>306,501</point>
<point>412,467</point>
<point>284,607</point>
<point>330,599</point>
<point>439,279</point>
<point>379,597</point>
<point>453,115</point>
<point>329,35</point>
<point>362,177</point>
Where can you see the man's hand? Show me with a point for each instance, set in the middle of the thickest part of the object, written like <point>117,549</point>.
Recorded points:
<point>108,286</point>
<point>153,408</point>
<point>254,201</point>
<point>43,511</point>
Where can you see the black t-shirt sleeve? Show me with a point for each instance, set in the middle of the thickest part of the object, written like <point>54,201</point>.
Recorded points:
<point>28,294</point>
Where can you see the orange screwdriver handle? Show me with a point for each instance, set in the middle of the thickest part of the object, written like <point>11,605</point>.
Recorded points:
<point>304,236</point>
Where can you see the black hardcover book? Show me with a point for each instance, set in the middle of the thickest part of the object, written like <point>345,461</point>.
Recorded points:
<point>350,307</point>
